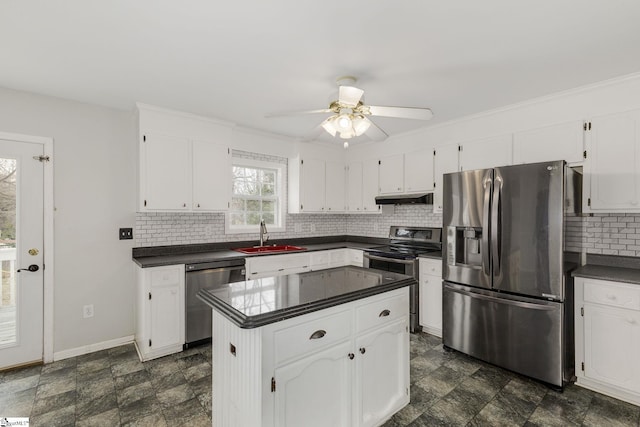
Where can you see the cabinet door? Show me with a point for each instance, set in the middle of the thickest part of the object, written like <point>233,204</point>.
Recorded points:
<point>382,373</point>
<point>445,161</point>
<point>166,173</point>
<point>392,174</point>
<point>431,296</point>
<point>612,167</point>
<point>335,187</point>
<point>312,186</point>
<point>370,185</point>
<point>559,142</point>
<point>418,171</point>
<point>166,306</point>
<point>316,390</point>
<point>338,258</point>
<point>354,187</point>
<point>486,153</point>
<point>211,176</point>
<point>612,346</point>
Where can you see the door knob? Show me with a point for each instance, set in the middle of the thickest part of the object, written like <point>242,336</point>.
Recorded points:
<point>32,268</point>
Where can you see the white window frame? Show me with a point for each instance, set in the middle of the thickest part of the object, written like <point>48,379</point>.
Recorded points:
<point>280,188</point>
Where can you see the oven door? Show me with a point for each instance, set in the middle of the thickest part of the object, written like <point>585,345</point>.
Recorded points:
<point>402,266</point>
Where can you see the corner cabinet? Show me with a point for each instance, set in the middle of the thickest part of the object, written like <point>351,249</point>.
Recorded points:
<point>607,322</point>
<point>184,162</point>
<point>564,141</point>
<point>612,164</point>
<point>160,311</point>
<point>346,365</point>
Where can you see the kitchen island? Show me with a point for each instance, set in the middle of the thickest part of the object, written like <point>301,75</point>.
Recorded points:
<point>322,348</point>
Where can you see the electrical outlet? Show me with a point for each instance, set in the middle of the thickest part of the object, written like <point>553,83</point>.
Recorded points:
<point>297,227</point>
<point>126,233</point>
<point>313,228</point>
<point>87,311</point>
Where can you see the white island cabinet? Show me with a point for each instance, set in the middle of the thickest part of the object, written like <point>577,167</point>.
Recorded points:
<point>343,365</point>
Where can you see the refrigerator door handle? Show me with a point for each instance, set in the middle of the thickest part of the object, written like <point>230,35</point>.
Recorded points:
<point>486,209</point>
<point>495,230</point>
<point>516,303</point>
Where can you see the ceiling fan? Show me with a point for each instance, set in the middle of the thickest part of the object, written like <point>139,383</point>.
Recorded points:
<point>350,116</point>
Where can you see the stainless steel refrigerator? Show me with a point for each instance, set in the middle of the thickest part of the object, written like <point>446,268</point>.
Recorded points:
<point>507,291</point>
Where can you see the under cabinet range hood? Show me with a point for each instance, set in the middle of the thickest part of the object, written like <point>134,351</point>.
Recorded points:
<point>406,199</point>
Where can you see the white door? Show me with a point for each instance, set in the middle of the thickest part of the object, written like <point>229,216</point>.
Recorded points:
<point>335,187</point>
<point>21,244</point>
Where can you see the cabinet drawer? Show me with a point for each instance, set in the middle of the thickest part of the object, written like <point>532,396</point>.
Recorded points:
<point>380,313</point>
<point>430,267</point>
<point>612,294</point>
<point>167,276</point>
<point>312,336</point>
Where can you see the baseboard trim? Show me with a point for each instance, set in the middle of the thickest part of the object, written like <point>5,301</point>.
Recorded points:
<point>79,351</point>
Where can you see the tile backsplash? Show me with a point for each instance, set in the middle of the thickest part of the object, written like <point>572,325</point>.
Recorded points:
<point>606,234</point>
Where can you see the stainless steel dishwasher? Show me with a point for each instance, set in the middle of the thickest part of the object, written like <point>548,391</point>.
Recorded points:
<point>209,275</point>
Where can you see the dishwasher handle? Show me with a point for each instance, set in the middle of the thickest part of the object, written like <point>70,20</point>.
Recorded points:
<point>229,264</point>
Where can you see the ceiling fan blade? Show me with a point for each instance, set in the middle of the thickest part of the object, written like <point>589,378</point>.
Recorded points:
<point>375,133</point>
<point>298,113</point>
<point>401,112</point>
<point>349,96</point>
<point>313,134</point>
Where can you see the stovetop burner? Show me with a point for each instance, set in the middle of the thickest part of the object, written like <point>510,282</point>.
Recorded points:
<point>409,242</point>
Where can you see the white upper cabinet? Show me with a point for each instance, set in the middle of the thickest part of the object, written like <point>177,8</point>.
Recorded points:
<point>316,185</point>
<point>445,161</point>
<point>370,186</point>
<point>354,187</point>
<point>185,162</point>
<point>211,176</point>
<point>391,174</point>
<point>335,193</point>
<point>418,171</point>
<point>165,173</point>
<point>612,167</point>
<point>486,153</point>
<point>564,141</point>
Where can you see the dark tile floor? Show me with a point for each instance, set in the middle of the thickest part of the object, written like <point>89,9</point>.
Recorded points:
<point>112,387</point>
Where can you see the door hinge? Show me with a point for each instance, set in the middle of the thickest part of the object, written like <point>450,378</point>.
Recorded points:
<point>301,162</point>
<point>145,203</point>
<point>584,154</point>
<point>144,138</point>
<point>149,342</point>
<point>379,162</point>
<point>434,152</point>
<point>273,385</point>
<point>149,295</point>
<point>589,125</point>
<point>582,366</point>
<point>589,201</point>
<point>459,147</point>
<point>228,204</point>
<point>42,158</point>
<point>406,391</point>
<point>434,185</point>
<point>582,311</point>
<point>301,207</point>
<point>584,126</point>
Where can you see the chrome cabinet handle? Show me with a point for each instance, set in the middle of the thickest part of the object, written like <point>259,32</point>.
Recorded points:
<point>384,313</point>
<point>318,334</point>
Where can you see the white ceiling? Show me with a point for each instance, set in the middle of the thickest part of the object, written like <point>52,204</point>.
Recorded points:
<point>239,60</point>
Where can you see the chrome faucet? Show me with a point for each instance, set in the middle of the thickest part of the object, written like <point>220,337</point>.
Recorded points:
<point>263,233</point>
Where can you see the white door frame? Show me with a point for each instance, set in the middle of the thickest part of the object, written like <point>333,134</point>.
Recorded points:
<point>47,144</point>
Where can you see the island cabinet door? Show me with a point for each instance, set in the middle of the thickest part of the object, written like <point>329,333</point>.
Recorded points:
<point>382,373</point>
<point>316,390</point>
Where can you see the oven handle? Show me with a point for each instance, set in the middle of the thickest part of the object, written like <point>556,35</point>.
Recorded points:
<point>380,258</point>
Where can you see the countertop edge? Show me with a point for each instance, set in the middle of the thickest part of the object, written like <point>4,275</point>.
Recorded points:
<point>251,322</point>
<point>604,272</point>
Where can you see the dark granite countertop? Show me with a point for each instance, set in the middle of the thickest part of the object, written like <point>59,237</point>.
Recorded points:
<point>192,254</point>
<point>432,255</point>
<point>259,302</point>
<point>607,267</point>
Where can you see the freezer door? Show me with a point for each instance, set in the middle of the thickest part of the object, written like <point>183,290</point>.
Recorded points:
<point>527,229</point>
<point>466,227</point>
<point>520,334</point>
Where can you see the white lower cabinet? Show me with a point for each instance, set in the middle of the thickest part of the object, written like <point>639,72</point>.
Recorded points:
<point>607,320</point>
<point>346,365</point>
<point>431,296</point>
<point>160,317</point>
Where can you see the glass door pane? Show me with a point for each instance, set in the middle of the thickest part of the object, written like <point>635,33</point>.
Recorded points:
<point>8,291</point>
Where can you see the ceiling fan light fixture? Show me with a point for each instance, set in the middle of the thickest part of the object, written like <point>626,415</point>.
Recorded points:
<point>347,134</point>
<point>344,122</point>
<point>360,125</point>
<point>330,126</point>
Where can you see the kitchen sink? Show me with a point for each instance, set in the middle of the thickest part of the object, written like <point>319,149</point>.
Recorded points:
<point>269,249</point>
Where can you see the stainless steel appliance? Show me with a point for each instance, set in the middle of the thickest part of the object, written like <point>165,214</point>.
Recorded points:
<point>209,275</point>
<point>507,291</point>
<point>401,256</point>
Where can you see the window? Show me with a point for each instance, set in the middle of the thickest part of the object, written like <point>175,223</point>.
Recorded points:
<point>256,194</point>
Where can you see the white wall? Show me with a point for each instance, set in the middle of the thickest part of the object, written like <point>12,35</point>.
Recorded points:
<point>94,195</point>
